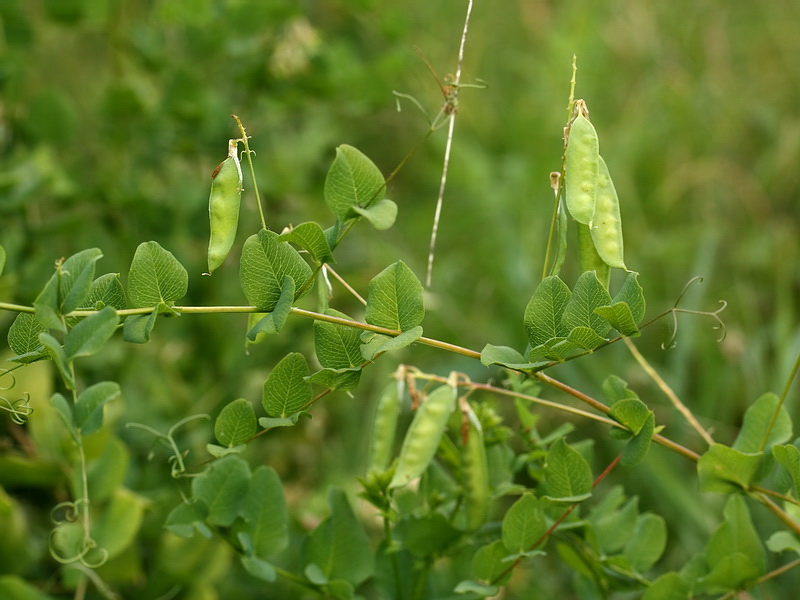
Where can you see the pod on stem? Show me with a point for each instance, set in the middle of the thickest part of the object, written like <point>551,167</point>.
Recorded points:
<point>223,206</point>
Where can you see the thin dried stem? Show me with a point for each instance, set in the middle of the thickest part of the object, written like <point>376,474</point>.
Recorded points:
<point>450,104</point>
<point>668,391</point>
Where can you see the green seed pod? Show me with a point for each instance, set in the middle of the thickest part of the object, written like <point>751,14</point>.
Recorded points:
<point>383,431</point>
<point>223,206</point>
<point>589,259</point>
<point>423,435</point>
<point>606,225</point>
<point>581,169</point>
<point>475,479</point>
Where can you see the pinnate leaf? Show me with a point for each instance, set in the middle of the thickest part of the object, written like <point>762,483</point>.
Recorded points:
<point>286,391</point>
<point>222,489</point>
<point>759,432</point>
<point>156,277</point>
<point>395,299</point>
<point>523,524</point>
<point>265,262</point>
<point>91,334</point>
<point>236,423</point>
<point>23,338</point>
<point>568,475</point>
<point>339,547</point>
<point>353,181</point>
<point>587,295</point>
<point>543,315</point>
<point>310,236</point>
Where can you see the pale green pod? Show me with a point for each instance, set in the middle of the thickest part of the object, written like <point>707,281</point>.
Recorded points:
<point>589,259</point>
<point>423,435</point>
<point>223,207</point>
<point>383,430</point>
<point>606,225</point>
<point>581,170</point>
<point>475,479</point>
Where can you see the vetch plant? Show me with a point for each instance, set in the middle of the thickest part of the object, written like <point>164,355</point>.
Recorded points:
<point>465,494</point>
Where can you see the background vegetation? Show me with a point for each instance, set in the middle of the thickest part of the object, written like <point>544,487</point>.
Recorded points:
<point>113,115</point>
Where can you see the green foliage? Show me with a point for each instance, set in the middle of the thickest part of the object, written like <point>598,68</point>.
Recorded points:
<point>463,495</point>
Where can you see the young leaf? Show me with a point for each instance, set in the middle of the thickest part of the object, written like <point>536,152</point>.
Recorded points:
<point>670,586</point>
<point>632,413</point>
<point>352,181</point>
<point>137,328</point>
<point>647,543</point>
<point>336,379</point>
<point>568,475</point>
<point>47,306</point>
<point>587,295</point>
<point>375,344</point>
<point>64,410</point>
<point>223,489</point>
<point>337,346</point>
<point>756,434</point>
<point>488,563</point>
<point>106,290</point>
<point>734,553</point>
<point>273,322</point>
<point>627,308</point>
<point>724,469</point>
<point>615,389</point>
<point>156,277</point>
<point>523,524</point>
<point>310,237</point>
<point>265,262</point>
<point>264,514</point>
<point>59,358</point>
<point>89,407</point>
<point>381,215</point>
<point>236,423</point>
<point>23,339</point>
<point>789,457</point>
<point>286,391</point>
<point>395,299</point>
<point>75,281</point>
<point>185,518</point>
<point>339,547</point>
<point>91,334</point>
<point>543,315</point>
<point>638,446</point>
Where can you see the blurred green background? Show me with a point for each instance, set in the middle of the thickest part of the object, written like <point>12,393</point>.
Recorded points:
<point>114,113</point>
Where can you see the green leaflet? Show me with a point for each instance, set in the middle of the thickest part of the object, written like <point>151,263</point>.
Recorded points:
<point>523,524</point>
<point>89,407</point>
<point>265,262</point>
<point>310,237</point>
<point>567,474</point>
<point>155,277</point>
<point>222,489</point>
<point>286,391</point>
<point>627,308</point>
<point>395,299</point>
<point>236,423</point>
<point>381,215</point>
<point>789,457</point>
<point>23,339</point>
<point>339,546</point>
<point>337,346</point>
<point>264,517</point>
<point>725,469</point>
<point>272,322</point>
<point>758,431</point>
<point>67,289</point>
<point>545,309</point>
<point>353,181</point>
<point>734,553</point>
<point>374,343</point>
<point>91,334</point>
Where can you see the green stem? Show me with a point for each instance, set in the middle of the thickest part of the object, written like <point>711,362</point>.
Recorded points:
<point>777,411</point>
<point>252,171</point>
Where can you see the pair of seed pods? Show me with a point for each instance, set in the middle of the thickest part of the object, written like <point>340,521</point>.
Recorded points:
<point>590,194</point>
<point>223,206</point>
